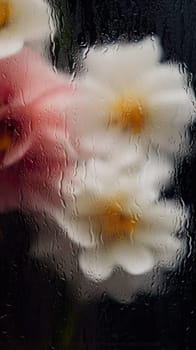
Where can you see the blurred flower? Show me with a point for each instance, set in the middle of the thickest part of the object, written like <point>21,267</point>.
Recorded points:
<point>118,221</point>
<point>35,147</point>
<point>50,245</point>
<point>127,88</point>
<point>21,21</point>
<point>136,241</point>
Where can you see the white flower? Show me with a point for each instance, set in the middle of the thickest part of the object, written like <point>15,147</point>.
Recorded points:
<point>56,249</point>
<point>117,220</point>
<point>21,21</point>
<point>144,241</point>
<point>127,88</point>
<point>134,240</point>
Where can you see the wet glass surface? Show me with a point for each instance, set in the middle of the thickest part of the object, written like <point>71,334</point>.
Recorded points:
<point>39,306</point>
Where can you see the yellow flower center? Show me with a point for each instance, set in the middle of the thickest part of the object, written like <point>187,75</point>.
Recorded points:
<point>114,222</point>
<point>5,142</point>
<point>128,112</point>
<point>5,12</point>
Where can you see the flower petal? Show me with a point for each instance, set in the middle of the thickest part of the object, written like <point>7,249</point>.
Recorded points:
<point>173,107</point>
<point>30,19</point>
<point>79,230</point>
<point>163,216</point>
<point>95,264</point>
<point>133,59</point>
<point>10,47</point>
<point>165,248</point>
<point>135,259</point>
<point>161,78</point>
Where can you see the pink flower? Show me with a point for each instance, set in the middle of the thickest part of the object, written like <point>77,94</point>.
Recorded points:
<point>34,142</point>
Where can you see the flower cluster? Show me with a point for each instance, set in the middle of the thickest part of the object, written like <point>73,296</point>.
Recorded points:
<point>96,153</point>
<point>21,22</point>
<point>131,112</point>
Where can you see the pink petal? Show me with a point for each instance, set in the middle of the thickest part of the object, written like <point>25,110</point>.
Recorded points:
<point>33,100</point>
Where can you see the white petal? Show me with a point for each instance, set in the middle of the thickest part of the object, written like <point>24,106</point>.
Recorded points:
<point>98,179</point>
<point>10,47</point>
<point>156,173</point>
<point>163,216</point>
<point>95,264</point>
<point>161,78</point>
<point>173,107</point>
<point>86,113</point>
<point>86,84</point>
<point>168,115</point>
<point>164,244</point>
<point>78,230</point>
<point>109,144</point>
<point>118,65</point>
<point>135,259</point>
<point>90,182</point>
<point>29,21</point>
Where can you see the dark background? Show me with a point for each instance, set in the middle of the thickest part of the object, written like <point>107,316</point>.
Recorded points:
<point>37,310</point>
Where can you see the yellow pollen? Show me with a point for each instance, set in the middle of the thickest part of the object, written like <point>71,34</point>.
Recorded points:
<point>5,12</point>
<point>5,142</point>
<point>114,222</point>
<point>128,112</point>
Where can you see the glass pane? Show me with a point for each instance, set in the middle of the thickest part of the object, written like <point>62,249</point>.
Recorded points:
<point>97,189</point>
